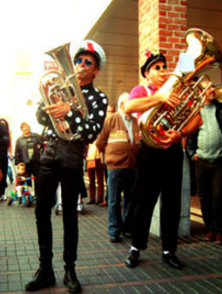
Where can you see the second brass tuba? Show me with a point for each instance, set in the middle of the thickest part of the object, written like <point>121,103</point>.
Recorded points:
<point>63,84</point>
<point>157,120</point>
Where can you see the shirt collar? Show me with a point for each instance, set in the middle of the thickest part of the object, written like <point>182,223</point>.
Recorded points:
<point>153,87</point>
<point>89,86</point>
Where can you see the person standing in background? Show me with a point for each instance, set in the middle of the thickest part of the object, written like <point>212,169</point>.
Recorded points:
<point>5,148</point>
<point>27,150</point>
<point>204,148</point>
<point>119,141</point>
<point>110,110</point>
<point>95,171</point>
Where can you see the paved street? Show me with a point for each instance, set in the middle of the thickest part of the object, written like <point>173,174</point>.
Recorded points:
<point>100,266</point>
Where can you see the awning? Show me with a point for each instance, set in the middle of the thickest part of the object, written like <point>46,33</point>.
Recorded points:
<point>117,32</point>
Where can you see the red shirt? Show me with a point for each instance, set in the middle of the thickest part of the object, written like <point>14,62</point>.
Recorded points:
<point>142,91</point>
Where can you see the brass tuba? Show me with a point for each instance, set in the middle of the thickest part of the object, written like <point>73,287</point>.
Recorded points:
<point>63,84</point>
<point>154,122</point>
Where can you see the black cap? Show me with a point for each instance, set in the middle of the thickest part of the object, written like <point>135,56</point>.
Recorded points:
<point>152,57</point>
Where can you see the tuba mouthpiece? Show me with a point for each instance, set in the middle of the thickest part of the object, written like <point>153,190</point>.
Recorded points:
<point>79,71</point>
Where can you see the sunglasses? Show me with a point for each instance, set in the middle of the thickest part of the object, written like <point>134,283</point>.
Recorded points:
<point>158,67</point>
<point>86,61</point>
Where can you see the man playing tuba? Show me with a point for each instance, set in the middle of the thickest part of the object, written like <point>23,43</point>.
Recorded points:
<point>158,170</point>
<point>62,162</point>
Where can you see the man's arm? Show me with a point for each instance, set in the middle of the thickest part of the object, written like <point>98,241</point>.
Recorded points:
<point>144,103</point>
<point>90,127</point>
<point>191,127</point>
<point>102,139</point>
<point>42,117</point>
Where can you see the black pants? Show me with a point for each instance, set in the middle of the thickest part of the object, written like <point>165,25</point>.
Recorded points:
<point>209,189</point>
<point>71,182</point>
<point>4,168</point>
<point>158,171</point>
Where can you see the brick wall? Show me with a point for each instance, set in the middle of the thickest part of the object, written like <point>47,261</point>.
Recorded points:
<point>162,25</point>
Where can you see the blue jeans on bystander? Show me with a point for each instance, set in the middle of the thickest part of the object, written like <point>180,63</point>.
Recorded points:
<point>120,180</point>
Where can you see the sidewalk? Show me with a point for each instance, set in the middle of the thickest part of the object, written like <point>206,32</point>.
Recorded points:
<point>100,265</point>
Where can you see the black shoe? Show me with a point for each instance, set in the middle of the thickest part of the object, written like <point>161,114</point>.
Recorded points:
<point>71,282</point>
<point>91,202</point>
<point>132,258</point>
<point>172,260</point>
<point>43,278</point>
<point>115,239</point>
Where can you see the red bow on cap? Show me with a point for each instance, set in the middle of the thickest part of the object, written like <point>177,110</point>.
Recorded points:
<point>148,53</point>
<point>90,47</point>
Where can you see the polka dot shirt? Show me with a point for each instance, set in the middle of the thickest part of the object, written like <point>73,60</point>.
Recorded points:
<point>87,128</point>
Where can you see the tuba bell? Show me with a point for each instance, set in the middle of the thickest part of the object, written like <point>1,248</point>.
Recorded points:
<point>63,84</point>
<point>218,93</point>
<point>154,122</point>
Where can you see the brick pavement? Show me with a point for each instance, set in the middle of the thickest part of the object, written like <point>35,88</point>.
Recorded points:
<point>100,265</point>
